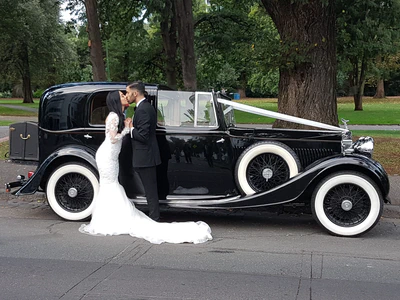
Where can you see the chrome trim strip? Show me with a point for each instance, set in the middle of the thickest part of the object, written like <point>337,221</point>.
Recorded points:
<point>72,130</point>
<point>191,132</point>
<point>206,203</point>
<point>173,200</point>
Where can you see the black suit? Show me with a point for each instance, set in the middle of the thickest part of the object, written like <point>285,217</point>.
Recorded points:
<point>146,154</point>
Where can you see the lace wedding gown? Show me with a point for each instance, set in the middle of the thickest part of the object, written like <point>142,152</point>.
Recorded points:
<point>114,214</point>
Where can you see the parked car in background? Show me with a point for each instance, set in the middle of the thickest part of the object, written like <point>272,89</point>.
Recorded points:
<point>208,161</point>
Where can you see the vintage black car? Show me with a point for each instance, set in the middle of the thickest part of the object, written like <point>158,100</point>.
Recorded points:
<point>207,160</point>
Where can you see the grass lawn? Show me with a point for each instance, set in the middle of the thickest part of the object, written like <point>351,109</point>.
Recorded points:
<point>6,123</point>
<point>6,111</point>
<point>386,150</point>
<point>376,111</point>
<point>18,102</point>
<point>4,148</point>
<point>377,133</point>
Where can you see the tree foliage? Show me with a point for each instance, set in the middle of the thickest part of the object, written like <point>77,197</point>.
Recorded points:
<point>31,41</point>
<point>368,31</point>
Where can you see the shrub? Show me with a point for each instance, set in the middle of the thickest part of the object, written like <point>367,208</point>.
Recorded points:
<point>6,94</point>
<point>38,93</point>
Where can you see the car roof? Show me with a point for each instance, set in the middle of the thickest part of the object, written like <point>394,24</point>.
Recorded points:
<point>88,87</point>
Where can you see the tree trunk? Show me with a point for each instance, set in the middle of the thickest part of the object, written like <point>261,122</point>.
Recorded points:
<point>358,96</point>
<point>26,76</point>
<point>125,71</point>
<point>358,101</point>
<point>307,84</point>
<point>242,85</point>
<point>380,89</point>
<point>185,26</point>
<point>359,83</point>
<point>168,33</point>
<point>96,48</point>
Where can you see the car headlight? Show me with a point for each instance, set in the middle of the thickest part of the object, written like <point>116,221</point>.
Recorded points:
<point>364,145</point>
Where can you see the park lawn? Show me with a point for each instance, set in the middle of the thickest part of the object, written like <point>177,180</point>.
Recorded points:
<point>386,149</point>
<point>376,111</point>
<point>387,153</point>
<point>379,133</point>
<point>6,122</point>
<point>4,148</point>
<point>18,102</point>
<point>6,111</point>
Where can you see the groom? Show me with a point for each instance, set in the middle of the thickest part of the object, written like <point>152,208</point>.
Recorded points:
<point>145,152</point>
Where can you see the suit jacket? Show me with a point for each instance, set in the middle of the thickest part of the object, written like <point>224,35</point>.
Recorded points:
<point>145,151</point>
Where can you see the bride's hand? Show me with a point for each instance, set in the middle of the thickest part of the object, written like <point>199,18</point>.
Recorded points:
<point>128,122</point>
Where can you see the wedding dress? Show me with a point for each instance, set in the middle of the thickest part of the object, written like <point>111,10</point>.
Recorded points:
<point>114,214</point>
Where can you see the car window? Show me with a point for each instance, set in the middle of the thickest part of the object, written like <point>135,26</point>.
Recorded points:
<point>205,112</point>
<point>98,109</point>
<point>185,109</point>
<point>229,115</point>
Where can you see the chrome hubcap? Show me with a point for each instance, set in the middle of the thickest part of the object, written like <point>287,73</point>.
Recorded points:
<point>72,192</point>
<point>267,173</point>
<point>347,205</point>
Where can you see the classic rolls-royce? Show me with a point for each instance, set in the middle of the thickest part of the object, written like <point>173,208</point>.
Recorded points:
<point>208,161</point>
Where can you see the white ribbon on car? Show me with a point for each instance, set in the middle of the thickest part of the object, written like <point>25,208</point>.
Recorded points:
<point>276,115</point>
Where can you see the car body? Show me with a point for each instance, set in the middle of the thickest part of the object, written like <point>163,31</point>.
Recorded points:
<point>209,162</point>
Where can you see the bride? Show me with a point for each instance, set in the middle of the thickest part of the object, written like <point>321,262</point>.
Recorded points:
<point>113,213</point>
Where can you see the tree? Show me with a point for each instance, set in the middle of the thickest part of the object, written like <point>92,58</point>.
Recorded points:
<point>184,15</point>
<point>384,68</point>
<point>228,44</point>
<point>30,40</point>
<point>366,30</point>
<point>162,15</point>
<point>380,89</point>
<point>308,59</point>
<point>95,43</point>
<point>168,28</point>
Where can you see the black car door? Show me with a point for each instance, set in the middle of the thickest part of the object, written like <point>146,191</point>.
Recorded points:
<point>196,154</point>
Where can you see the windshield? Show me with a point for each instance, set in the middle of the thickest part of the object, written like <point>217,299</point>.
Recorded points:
<point>186,109</point>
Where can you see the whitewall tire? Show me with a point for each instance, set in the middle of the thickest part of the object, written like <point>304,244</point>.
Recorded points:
<point>71,189</point>
<point>265,165</point>
<point>347,203</point>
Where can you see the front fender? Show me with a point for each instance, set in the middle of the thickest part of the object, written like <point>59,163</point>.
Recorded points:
<point>75,153</point>
<point>296,186</point>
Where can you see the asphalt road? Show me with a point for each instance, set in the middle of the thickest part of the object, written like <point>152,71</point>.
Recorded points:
<point>253,256</point>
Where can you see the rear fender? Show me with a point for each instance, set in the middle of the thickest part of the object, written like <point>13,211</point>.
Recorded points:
<point>62,155</point>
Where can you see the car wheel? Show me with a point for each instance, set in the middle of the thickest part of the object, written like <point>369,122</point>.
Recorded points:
<point>70,191</point>
<point>347,203</point>
<point>264,166</point>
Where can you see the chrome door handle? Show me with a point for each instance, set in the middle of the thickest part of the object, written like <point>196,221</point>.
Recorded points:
<point>88,136</point>
<point>221,140</point>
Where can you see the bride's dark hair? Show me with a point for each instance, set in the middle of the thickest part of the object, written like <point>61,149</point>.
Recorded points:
<point>113,101</point>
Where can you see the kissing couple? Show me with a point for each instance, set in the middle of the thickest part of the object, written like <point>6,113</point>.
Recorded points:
<point>113,213</point>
